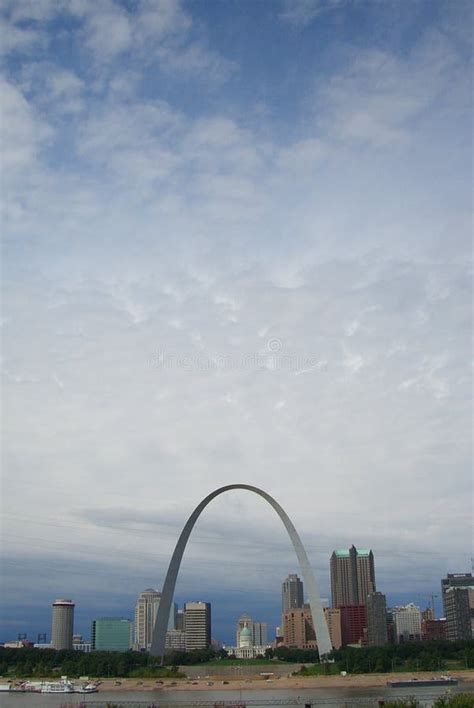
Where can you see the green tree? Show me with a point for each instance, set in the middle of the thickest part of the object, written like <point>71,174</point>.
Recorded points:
<point>462,700</point>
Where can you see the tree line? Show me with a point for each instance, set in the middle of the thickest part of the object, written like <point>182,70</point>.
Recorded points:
<point>423,656</point>
<point>38,663</point>
<point>411,656</point>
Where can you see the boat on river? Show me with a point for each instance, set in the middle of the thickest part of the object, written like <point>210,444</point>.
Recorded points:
<point>416,683</point>
<point>90,687</point>
<point>62,686</point>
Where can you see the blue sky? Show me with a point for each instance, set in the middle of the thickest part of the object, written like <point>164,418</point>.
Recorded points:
<point>236,249</point>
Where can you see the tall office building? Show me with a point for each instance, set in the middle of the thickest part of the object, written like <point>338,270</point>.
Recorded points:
<point>353,623</point>
<point>455,580</point>
<point>376,619</point>
<point>175,640</point>
<point>259,634</point>
<point>173,617</point>
<point>459,604</point>
<point>352,576</point>
<point>365,575</point>
<point>63,624</point>
<point>111,634</point>
<point>298,628</point>
<point>146,610</point>
<point>333,619</point>
<point>197,625</point>
<point>179,620</point>
<point>407,623</point>
<point>428,614</point>
<point>291,593</point>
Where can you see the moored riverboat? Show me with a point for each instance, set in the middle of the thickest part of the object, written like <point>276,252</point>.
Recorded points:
<point>62,686</point>
<point>86,688</point>
<point>414,682</point>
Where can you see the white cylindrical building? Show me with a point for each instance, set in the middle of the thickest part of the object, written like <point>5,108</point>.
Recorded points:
<point>63,624</point>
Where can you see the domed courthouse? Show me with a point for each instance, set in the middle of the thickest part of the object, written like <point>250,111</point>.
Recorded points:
<point>251,639</point>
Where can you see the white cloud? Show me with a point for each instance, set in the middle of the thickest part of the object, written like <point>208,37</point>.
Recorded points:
<point>22,134</point>
<point>36,10</point>
<point>377,99</point>
<point>196,60</point>
<point>108,30</point>
<point>155,229</point>
<point>300,13</point>
<point>132,141</point>
<point>155,31</point>
<point>54,89</point>
<point>15,39</point>
<point>303,156</point>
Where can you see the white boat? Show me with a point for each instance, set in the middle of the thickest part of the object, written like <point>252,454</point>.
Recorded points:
<point>34,686</point>
<point>86,688</point>
<point>63,686</point>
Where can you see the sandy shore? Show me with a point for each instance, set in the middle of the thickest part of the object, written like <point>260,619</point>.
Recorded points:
<point>257,683</point>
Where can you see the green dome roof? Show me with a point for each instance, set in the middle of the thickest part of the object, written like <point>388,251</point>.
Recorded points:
<point>245,632</point>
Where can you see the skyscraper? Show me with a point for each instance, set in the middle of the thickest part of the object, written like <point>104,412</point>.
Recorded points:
<point>407,623</point>
<point>455,580</point>
<point>175,640</point>
<point>333,618</point>
<point>353,623</point>
<point>146,610</point>
<point>459,603</point>
<point>259,634</point>
<point>111,634</point>
<point>179,620</point>
<point>352,576</point>
<point>291,593</point>
<point>298,628</point>
<point>197,625</point>
<point>376,619</point>
<point>173,616</point>
<point>63,624</point>
<point>365,575</point>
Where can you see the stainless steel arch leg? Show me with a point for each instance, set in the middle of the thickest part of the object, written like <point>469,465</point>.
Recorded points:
<point>319,620</point>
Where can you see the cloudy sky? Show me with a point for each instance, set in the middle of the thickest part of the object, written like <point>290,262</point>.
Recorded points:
<point>236,249</point>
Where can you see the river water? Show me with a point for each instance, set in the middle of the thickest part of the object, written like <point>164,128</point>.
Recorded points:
<point>320,697</point>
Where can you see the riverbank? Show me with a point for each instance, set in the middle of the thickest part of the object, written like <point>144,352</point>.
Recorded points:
<point>257,682</point>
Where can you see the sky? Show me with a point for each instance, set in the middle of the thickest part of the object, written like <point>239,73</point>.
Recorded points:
<point>236,249</point>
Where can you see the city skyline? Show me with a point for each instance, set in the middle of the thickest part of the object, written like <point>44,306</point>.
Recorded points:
<point>236,249</point>
<point>371,620</point>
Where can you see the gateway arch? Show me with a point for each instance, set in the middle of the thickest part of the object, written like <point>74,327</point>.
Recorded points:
<point>161,623</point>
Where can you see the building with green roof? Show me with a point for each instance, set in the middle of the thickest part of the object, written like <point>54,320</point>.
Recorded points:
<point>352,576</point>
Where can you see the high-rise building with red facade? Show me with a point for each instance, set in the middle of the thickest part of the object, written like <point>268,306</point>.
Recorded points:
<point>353,623</point>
